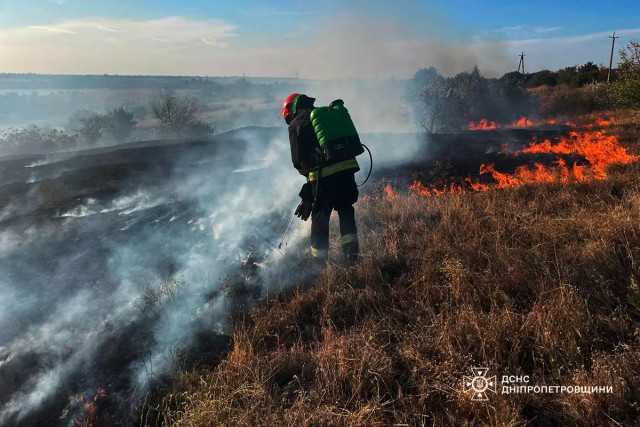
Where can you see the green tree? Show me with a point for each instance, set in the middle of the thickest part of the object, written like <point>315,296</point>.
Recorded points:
<point>567,75</point>
<point>544,78</point>
<point>514,79</point>
<point>629,65</point>
<point>468,96</point>
<point>626,90</point>
<point>586,74</point>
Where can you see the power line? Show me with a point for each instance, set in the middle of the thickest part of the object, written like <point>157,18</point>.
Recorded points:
<point>613,42</point>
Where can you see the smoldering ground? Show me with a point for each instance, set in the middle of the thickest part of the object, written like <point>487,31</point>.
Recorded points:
<point>111,269</point>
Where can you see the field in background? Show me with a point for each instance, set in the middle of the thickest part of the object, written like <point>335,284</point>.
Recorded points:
<point>539,280</point>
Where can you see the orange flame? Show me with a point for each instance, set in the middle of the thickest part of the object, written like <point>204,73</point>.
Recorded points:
<point>522,122</point>
<point>596,147</point>
<point>601,123</point>
<point>90,410</point>
<point>419,188</point>
<point>483,124</point>
<point>388,192</point>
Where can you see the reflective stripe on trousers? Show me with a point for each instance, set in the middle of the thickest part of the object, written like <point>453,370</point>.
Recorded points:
<point>319,253</point>
<point>348,238</point>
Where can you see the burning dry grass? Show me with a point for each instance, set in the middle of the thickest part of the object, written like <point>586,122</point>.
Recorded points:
<point>538,280</point>
<point>597,149</point>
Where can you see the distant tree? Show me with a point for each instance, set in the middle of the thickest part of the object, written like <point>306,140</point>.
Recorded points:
<point>626,90</point>
<point>514,79</point>
<point>175,114</point>
<point>449,104</point>
<point>586,74</point>
<point>544,78</point>
<point>92,127</point>
<point>629,65</point>
<point>468,95</point>
<point>181,117</point>
<point>426,95</point>
<point>120,123</point>
<point>33,139</point>
<point>604,72</point>
<point>567,75</point>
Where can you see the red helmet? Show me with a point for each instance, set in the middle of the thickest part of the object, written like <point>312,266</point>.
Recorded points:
<point>289,107</point>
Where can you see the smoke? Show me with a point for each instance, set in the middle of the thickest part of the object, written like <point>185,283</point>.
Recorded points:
<point>147,261</point>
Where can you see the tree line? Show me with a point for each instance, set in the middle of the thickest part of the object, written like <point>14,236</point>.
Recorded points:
<point>448,104</point>
<point>176,118</point>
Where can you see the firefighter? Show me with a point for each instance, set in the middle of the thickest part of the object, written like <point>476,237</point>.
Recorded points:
<point>329,186</point>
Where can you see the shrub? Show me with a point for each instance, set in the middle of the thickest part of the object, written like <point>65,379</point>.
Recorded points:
<point>544,78</point>
<point>116,125</point>
<point>565,100</point>
<point>626,93</point>
<point>181,117</point>
<point>33,139</point>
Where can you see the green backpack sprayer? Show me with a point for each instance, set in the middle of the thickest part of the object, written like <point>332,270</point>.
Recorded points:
<point>337,135</point>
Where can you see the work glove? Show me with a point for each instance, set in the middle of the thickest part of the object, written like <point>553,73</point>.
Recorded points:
<point>303,210</point>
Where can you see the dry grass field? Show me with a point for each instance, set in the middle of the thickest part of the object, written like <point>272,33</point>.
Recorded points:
<point>540,280</point>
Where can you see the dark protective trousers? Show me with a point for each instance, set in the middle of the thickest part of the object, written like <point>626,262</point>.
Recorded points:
<point>337,192</point>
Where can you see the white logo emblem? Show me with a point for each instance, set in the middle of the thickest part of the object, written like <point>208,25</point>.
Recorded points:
<point>479,383</point>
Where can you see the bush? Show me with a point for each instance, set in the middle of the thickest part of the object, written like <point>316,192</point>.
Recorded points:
<point>567,75</point>
<point>92,127</point>
<point>544,78</point>
<point>116,125</point>
<point>565,100</point>
<point>180,117</point>
<point>33,139</point>
<point>629,66</point>
<point>626,93</point>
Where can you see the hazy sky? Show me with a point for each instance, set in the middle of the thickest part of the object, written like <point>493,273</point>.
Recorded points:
<point>316,39</point>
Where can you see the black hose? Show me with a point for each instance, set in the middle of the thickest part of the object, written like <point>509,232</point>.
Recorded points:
<point>370,166</point>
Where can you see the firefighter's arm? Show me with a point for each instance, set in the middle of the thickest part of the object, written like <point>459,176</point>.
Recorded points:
<point>306,192</point>
<point>294,142</point>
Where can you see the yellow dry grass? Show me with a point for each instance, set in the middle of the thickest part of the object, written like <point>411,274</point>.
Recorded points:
<point>540,280</point>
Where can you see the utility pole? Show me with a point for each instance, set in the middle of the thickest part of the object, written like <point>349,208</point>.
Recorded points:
<point>521,63</point>
<point>613,42</point>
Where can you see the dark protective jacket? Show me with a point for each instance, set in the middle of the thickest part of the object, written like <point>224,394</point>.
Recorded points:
<point>303,141</point>
<point>307,157</point>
